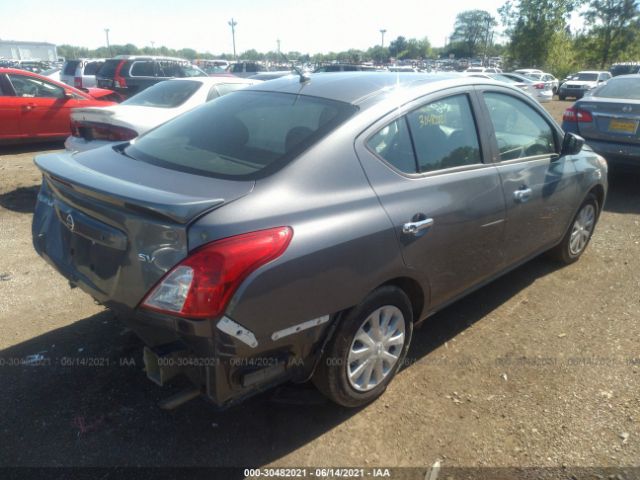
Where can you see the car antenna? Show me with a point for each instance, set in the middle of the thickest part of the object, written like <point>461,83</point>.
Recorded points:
<point>303,77</point>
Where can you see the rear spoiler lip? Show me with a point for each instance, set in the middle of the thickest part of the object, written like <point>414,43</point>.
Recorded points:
<point>61,173</point>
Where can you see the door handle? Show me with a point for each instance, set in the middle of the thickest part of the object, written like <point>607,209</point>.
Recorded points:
<point>29,106</point>
<point>522,195</point>
<point>413,228</point>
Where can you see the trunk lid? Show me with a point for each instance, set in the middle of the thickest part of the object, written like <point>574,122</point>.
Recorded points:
<point>114,225</point>
<point>615,120</point>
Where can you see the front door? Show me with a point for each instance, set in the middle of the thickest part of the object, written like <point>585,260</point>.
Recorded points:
<point>539,186</point>
<point>43,106</point>
<point>427,166</point>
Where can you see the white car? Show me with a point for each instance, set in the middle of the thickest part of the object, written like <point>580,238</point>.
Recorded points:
<point>577,85</point>
<point>547,78</point>
<point>527,71</point>
<point>94,127</point>
<point>538,90</point>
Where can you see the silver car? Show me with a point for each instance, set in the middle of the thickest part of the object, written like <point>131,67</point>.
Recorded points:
<point>81,73</point>
<point>300,228</point>
<point>608,118</point>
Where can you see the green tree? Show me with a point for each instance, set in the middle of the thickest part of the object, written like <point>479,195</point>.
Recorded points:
<point>472,33</point>
<point>613,26</point>
<point>397,46</point>
<point>531,26</point>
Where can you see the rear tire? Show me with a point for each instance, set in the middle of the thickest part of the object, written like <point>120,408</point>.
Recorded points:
<point>579,233</point>
<point>367,349</point>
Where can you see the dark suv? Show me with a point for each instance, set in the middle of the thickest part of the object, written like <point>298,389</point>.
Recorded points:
<point>129,75</point>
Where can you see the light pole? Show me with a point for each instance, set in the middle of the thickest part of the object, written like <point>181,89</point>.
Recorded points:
<point>106,31</point>
<point>382,32</point>
<point>232,23</point>
<point>153,47</point>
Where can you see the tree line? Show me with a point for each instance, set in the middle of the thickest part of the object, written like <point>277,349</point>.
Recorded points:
<point>536,33</point>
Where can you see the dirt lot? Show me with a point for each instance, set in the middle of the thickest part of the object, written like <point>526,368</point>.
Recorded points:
<point>540,368</point>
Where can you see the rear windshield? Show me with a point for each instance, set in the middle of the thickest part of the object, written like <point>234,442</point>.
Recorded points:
<point>108,70</point>
<point>246,134</point>
<point>92,67</point>
<point>620,87</point>
<point>586,77</point>
<point>70,67</point>
<point>167,94</point>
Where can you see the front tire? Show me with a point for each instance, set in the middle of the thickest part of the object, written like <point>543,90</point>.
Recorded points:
<point>367,348</point>
<point>579,233</point>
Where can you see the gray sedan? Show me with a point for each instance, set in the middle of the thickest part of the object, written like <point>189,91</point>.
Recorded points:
<point>608,118</point>
<point>301,228</point>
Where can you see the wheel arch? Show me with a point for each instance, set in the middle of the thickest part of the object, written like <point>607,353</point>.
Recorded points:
<point>414,292</point>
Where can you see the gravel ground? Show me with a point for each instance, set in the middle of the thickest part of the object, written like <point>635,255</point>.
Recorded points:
<point>539,368</point>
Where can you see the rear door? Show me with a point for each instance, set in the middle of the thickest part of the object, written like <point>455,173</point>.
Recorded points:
<point>143,74</point>
<point>440,190</point>
<point>539,186</point>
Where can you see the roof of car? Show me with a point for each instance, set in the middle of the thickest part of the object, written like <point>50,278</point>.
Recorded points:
<point>355,87</point>
<point>214,80</point>
<point>148,57</point>
<point>592,71</point>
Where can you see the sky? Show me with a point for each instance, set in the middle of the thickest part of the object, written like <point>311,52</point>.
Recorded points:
<point>307,26</point>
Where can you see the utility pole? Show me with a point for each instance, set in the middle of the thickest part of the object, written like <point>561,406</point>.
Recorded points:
<point>106,31</point>
<point>382,32</point>
<point>232,23</point>
<point>153,47</point>
<point>278,41</point>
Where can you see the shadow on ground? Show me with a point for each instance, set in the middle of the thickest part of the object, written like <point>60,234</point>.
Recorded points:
<point>624,191</point>
<point>21,200</point>
<point>20,148</point>
<point>105,411</point>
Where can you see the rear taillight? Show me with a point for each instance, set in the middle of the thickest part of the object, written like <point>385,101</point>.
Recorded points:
<point>102,131</point>
<point>539,86</point>
<point>75,132</point>
<point>573,114</point>
<point>77,82</point>
<point>118,80</point>
<point>201,285</point>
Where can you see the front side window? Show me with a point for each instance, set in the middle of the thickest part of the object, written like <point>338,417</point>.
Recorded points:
<point>167,94</point>
<point>32,87</point>
<point>243,135</point>
<point>520,131</point>
<point>444,134</point>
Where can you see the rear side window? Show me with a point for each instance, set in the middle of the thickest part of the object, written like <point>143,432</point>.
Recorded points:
<point>70,67</point>
<point>244,135</point>
<point>167,94</point>
<point>520,130</point>
<point>108,69</point>
<point>393,144</point>
<point>444,134</point>
<point>92,67</point>
<point>143,69</point>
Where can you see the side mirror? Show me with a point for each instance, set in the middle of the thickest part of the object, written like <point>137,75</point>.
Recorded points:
<point>571,144</point>
<point>67,95</point>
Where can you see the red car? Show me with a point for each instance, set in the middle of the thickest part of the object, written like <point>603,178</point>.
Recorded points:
<point>33,107</point>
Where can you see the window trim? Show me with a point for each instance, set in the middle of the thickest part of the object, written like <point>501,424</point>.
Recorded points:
<point>419,102</point>
<point>557,134</point>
